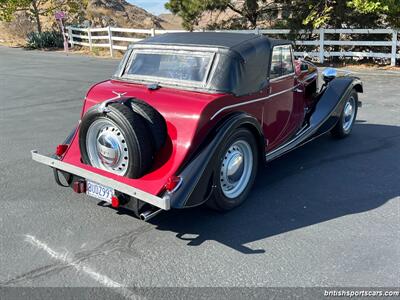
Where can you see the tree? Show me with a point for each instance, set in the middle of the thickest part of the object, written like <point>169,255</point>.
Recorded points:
<point>298,14</point>
<point>9,7</point>
<point>388,9</point>
<point>192,10</point>
<point>35,8</point>
<point>361,13</point>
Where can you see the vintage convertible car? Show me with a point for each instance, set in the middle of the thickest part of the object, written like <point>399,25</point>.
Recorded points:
<point>188,117</point>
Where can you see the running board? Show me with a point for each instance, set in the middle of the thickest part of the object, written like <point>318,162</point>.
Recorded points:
<point>324,117</point>
<point>297,141</point>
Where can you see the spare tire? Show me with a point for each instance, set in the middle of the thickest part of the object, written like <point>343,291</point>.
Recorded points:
<point>154,121</point>
<point>116,141</point>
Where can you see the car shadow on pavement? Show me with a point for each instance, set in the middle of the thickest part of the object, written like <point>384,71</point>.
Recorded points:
<point>324,180</point>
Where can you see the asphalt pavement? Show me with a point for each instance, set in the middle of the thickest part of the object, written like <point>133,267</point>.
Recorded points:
<point>327,214</point>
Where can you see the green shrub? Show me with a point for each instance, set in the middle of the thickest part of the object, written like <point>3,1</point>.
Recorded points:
<point>46,39</point>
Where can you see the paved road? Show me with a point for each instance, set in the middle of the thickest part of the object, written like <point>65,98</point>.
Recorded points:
<point>325,215</point>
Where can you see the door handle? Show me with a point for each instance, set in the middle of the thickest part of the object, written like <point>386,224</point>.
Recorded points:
<point>297,90</point>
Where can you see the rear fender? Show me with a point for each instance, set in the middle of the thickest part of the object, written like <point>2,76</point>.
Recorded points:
<point>197,174</point>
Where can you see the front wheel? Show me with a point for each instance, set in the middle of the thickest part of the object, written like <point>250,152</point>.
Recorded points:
<point>235,170</point>
<point>348,117</point>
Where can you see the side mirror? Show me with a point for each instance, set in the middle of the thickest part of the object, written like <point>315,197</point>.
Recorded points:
<point>329,74</point>
<point>303,67</point>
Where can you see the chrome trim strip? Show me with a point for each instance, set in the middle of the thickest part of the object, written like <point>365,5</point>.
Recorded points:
<point>163,203</point>
<point>253,101</point>
<point>281,77</point>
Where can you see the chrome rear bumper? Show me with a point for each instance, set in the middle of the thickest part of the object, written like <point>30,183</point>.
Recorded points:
<point>163,203</point>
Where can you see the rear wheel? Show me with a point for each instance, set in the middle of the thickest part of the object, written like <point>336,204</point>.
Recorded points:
<point>347,118</point>
<point>235,172</point>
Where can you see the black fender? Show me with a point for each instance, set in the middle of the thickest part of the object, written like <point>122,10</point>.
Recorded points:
<point>197,174</point>
<point>330,105</point>
<point>325,115</point>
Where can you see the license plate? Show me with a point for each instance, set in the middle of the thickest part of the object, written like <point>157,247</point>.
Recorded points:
<point>99,191</point>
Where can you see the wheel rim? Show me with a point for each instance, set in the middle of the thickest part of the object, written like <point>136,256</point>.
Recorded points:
<point>106,147</point>
<point>236,169</point>
<point>348,114</point>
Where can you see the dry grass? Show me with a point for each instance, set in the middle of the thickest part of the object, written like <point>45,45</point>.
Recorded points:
<point>361,66</point>
<point>8,38</point>
<point>97,52</point>
<point>373,66</point>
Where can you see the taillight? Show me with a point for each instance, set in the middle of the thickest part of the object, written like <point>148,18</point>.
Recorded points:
<point>114,201</point>
<point>172,183</point>
<point>60,150</point>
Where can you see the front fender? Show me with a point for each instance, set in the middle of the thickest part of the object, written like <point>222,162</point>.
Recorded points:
<point>197,174</point>
<point>330,105</point>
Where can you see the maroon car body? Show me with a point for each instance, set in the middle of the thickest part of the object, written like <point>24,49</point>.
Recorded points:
<point>251,83</point>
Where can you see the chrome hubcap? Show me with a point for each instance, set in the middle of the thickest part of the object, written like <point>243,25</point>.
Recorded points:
<point>236,169</point>
<point>106,147</point>
<point>348,114</point>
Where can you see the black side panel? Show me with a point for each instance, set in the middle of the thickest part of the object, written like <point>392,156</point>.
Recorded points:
<point>197,173</point>
<point>325,115</point>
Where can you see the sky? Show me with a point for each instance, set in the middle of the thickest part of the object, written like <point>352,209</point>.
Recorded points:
<point>155,7</point>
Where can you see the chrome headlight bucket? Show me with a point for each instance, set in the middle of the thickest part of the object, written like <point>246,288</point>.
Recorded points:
<point>329,74</point>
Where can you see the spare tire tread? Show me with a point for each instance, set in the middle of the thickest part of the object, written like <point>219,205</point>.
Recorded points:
<point>153,120</point>
<point>146,151</point>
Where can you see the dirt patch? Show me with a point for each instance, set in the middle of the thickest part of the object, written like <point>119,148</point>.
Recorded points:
<point>97,52</point>
<point>362,66</point>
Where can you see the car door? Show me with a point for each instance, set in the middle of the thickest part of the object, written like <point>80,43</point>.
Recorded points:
<point>280,110</point>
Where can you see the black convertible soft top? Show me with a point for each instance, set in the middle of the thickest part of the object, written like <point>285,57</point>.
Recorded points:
<point>237,42</point>
<point>243,59</point>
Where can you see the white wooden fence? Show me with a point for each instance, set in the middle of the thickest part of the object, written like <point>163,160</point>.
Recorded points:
<point>110,37</point>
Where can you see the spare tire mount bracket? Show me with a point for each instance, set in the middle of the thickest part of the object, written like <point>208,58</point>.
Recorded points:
<point>103,106</point>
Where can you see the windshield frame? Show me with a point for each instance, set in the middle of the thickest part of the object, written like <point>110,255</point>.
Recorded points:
<point>164,80</point>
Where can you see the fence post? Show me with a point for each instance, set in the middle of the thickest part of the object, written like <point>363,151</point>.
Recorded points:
<point>153,32</point>
<point>90,38</point>
<point>257,30</point>
<point>70,37</point>
<point>394,48</point>
<point>110,41</point>
<point>321,45</point>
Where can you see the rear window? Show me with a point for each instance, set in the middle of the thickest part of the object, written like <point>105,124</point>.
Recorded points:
<point>170,66</point>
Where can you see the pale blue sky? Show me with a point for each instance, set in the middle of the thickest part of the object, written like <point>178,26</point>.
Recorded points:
<point>155,7</point>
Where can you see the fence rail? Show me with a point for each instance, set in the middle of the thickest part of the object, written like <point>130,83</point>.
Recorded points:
<point>115,39</point>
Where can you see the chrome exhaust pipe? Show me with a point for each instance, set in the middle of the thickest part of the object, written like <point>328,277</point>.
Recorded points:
<point>147,215</point>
